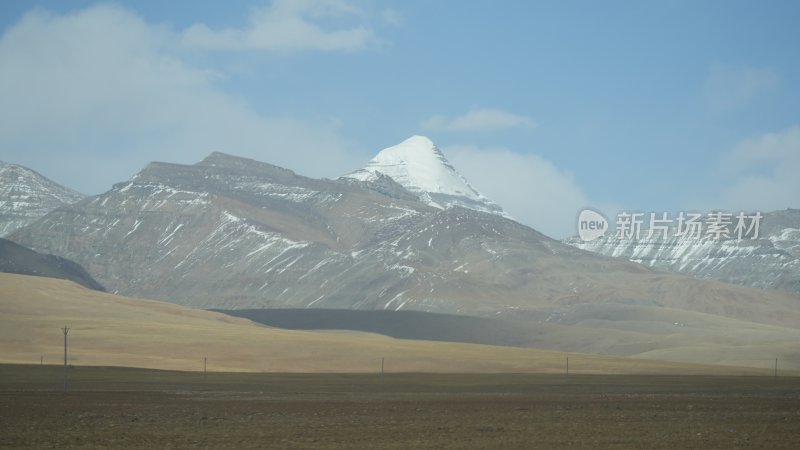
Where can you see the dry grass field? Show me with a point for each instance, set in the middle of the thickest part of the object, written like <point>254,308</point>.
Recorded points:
<point>136,408</point>
<point>108,330</point>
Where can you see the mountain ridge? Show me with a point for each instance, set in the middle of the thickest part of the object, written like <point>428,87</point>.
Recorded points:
<point>231,234</point>
<point>26,195</point>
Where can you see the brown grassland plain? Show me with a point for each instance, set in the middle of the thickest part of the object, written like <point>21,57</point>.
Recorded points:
<point>140,408</point>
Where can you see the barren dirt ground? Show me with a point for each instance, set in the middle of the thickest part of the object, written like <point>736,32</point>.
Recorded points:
<point>114,407</point>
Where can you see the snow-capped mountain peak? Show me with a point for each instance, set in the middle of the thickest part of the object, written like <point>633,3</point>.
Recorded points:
<point>420,167</point>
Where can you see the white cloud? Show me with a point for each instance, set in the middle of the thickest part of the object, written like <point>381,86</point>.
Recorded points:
<point>731,88</point>
<point>287,26</point>
<point>392,17</point>
<point>479,119</point>
<point>533,190</point>
<point>764,172</point>
<point>90,97</point>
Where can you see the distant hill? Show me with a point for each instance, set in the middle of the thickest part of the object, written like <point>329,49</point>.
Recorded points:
<point>398,324</point>
<point>618,330</point>
<point>15,258</point>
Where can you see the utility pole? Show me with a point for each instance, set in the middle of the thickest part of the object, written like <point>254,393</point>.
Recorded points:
<point>205,365</point>
<point>65,330</point>
<point>776,367</point>
<point>567,365</point>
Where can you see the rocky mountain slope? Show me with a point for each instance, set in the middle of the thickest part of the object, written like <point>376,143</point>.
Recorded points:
<point>26,196</point>
<point>234,233</point>
<point>772,261</point>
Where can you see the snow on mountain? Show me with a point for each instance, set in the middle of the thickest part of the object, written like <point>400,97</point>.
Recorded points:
<point>26,196</point>
<point>421,168</point>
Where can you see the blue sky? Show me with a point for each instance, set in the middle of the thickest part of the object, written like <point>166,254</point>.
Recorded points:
<point>546,107</point>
